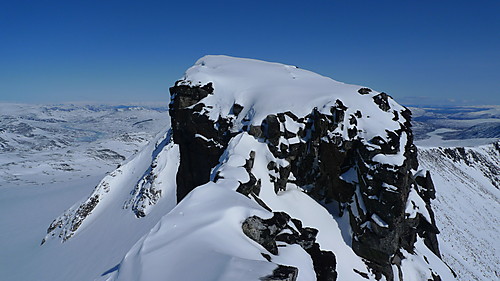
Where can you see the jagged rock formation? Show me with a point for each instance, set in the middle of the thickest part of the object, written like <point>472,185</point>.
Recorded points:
<point>328,156</point>
<point>268,232</point>
<point>485,161</point>
<point>266,133</point>
<point>282,273</point>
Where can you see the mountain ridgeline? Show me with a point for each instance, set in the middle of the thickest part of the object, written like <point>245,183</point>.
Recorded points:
<point>326,173</point>
<point>331,169</point>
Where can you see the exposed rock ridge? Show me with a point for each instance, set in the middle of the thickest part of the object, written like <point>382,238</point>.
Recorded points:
<point>146,193</point>
<point>488,164</point>
<point>148,189</point>
<point>282,228</point>
<point>328,156</point>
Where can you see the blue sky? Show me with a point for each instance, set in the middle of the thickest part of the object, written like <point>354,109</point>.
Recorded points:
<point>420,52</point>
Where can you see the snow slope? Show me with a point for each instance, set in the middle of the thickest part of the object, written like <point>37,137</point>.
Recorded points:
<point>467,207</point>
<point>109,231</point>
<point>33,193</point>
<point>214,245</point>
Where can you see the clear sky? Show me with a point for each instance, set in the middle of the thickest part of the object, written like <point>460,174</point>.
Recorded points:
<point>420,52</point>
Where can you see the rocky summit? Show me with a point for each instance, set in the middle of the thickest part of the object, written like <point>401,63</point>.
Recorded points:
<point>271,172</point>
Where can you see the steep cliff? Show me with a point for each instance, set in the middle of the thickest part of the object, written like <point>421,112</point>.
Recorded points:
<point>281,174</point>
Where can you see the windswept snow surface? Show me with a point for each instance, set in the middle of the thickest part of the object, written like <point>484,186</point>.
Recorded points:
<point>201,239</point>
<point>467,208</point>
<point>264,88</point>
<point>204,230</point>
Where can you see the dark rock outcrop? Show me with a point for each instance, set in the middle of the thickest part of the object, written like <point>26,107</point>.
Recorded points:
<point>471,158</point>
<point>79,216</point>
<point>201,141</point>
<point>282,228</point>
<point>282,273</point>
<point>329,159</point>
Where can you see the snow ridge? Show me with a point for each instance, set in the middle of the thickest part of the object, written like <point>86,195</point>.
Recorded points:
<point>153,160</point>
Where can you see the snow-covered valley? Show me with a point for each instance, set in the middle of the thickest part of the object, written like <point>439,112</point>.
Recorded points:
<point>44,144</point>
<point>56,157</point>
<point>53,156</point>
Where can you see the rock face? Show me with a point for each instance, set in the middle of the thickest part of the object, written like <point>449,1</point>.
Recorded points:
<point>370,180</point>
<point>197,136</point>
<point>272,132</point>
<point>268,232</point>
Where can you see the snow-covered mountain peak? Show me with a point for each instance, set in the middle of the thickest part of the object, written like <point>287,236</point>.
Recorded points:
<point>319,178</point>
<point>264,88</point>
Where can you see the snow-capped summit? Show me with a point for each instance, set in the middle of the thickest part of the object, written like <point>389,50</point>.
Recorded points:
<point>264,88</point>
<point>269,172</point>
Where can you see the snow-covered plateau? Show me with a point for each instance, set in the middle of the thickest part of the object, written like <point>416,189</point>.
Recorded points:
<point>253,171</point>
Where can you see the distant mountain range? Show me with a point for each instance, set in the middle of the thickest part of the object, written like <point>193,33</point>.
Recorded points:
<point>481,123</point>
